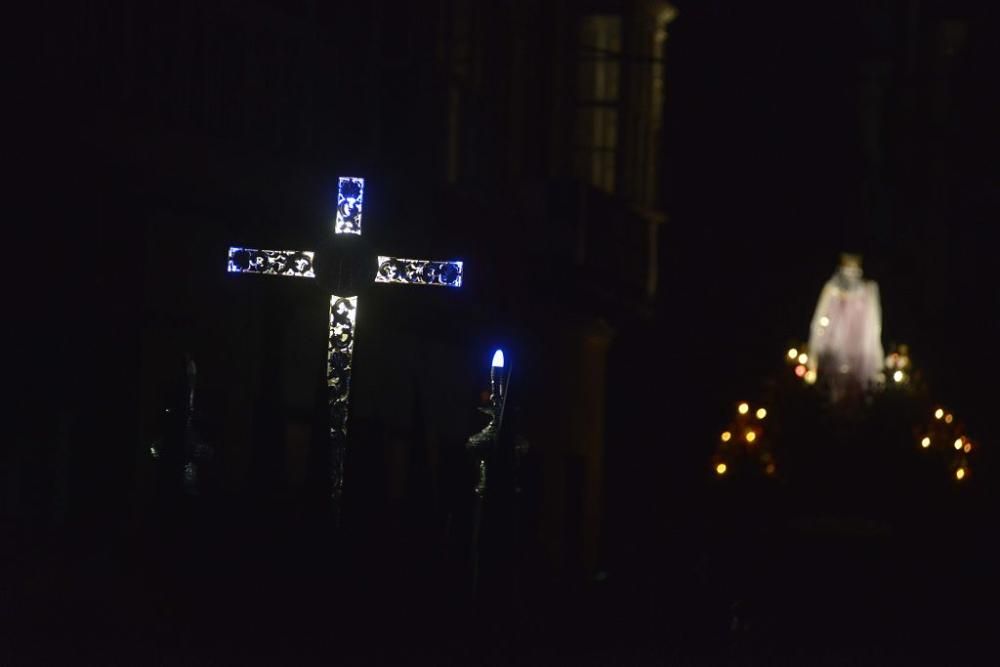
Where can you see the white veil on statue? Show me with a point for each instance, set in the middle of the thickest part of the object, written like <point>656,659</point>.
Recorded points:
<point>845,339</point>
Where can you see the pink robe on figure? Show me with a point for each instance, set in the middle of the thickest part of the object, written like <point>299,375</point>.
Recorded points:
<point>845,341</point>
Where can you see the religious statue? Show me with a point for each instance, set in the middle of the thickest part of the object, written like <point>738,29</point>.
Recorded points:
<point>845,339</point>
<point>845,360</point>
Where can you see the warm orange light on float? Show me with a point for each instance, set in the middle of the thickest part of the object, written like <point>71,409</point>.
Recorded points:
<point>726,436</point>
<point>720,469</point>
<point>960,474</point>
<point>743,408</point>
<point>750,436</point>
<point>800,370</point>
<point>761,413</point>
<point>926,442</point>
<point>939,413</point>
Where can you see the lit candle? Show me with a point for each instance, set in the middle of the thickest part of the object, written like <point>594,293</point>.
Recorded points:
<point>497,375</point>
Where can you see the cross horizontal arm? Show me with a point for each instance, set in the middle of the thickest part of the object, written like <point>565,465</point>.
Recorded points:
<point>419,272</point>
<point>298,263</point>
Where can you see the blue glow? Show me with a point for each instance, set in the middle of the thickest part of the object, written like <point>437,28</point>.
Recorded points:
<point>498,359</point>
<point>457,282</point>
<point>231,266</point>
<point>350,202</point>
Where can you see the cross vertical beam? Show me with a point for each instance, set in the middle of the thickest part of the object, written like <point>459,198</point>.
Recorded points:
<point>339,359</point>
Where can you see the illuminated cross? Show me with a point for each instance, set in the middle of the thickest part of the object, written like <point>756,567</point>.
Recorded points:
<point>343,309</point>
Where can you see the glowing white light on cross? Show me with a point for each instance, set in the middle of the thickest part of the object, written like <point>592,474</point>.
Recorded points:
<point>296,263</point>
<point>498,359</point>
<point>343,309</point>
<point>350,202</point>
<point>340,359</point>
<point>418,271</point>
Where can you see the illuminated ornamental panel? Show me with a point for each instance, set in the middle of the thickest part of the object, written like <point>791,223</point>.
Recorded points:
<point>418,272</point>
<point>298,263</point>
<point>340,351</point>
<point>350,200</point>
<point>339,357</point>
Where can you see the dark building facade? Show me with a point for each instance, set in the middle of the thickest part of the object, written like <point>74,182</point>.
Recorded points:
<point>524,137</point>
<point>647,196</point>
<point>544,143</point>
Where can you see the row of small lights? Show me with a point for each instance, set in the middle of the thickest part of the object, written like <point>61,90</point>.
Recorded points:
<point>895,362</point>
<point>960,444</point>
<point>801,370</point>
<point>749,435</point>
<point>808,375</point>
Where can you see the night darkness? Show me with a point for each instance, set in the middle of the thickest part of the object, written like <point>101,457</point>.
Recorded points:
<point>648,198</point>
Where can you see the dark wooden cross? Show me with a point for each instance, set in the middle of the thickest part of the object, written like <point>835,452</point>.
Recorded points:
<point>343,308</point>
